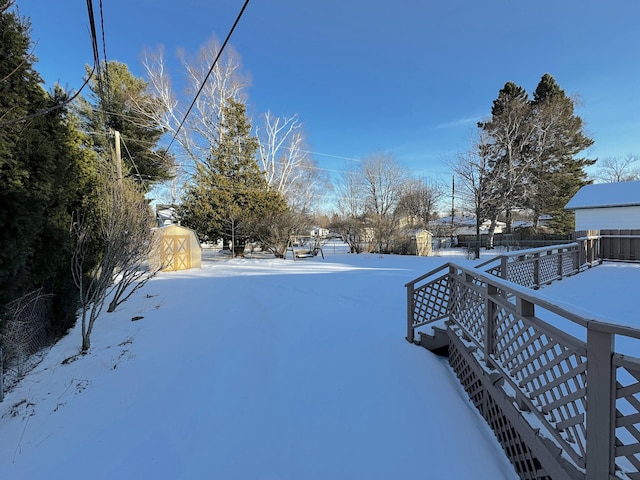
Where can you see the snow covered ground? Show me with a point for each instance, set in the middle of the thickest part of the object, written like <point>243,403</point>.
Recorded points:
<point>256,369</point>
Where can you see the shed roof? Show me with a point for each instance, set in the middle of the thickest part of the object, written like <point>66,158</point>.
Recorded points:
<point>602,195</point>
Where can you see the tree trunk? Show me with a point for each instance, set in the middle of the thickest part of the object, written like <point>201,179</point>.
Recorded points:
<point>490,234</point>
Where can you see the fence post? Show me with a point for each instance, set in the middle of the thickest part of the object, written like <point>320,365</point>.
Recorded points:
<point>410,309</point>
<point>600,402</point>
<point>503,267</point>
<point>561,262</point>
<point>536,270</point>
<point>489,324</point>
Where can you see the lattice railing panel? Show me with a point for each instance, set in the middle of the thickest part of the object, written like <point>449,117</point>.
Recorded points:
<point>569,264</point>
<point>431,301</point>
<point>519,453</point>
<point>495,271</point>
<point>548,268</point>
<point>627,422</point>
<point>467,307</point>
<point>521,272</point>
<point>551,375</point>
<point>544,369</point>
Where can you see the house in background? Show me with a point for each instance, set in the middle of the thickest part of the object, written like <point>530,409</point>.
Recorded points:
<point>166,215</point>
<point>445,226</point>
<point>607,206</point>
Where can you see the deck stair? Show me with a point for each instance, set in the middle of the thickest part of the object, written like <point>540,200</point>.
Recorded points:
<point>437,341</point>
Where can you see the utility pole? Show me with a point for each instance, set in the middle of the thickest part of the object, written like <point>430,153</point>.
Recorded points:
<point>117,156</point>
<point>453,210</point>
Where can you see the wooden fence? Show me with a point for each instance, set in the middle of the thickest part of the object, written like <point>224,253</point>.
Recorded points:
<point>615,245</point>
<point>537,386</point>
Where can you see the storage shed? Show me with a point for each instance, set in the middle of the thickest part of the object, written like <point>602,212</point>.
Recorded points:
<point>415,242</point>
<point>607,206</point>
<point>421,240</point>
<point>178,249</point>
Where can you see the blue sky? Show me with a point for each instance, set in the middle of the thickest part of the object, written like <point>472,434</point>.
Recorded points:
<point>410,77</point>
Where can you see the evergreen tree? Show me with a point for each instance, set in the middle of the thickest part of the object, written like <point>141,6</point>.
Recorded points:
<point>229,189</point>
<point>120,101</point>
<point>43,174</point>
<point>532,150</point>
<point>556,172</point>
<point>508,131</point>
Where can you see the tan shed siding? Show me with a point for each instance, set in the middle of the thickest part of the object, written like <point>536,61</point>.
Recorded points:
<point>608,218</point>
<point>178,249</point>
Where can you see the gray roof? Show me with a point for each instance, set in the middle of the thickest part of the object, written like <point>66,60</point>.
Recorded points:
<point>602,195</point>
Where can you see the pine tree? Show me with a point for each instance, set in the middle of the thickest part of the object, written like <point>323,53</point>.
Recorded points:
<point>120,101</point>
<point>556,172</point>
<point>228,188</point>
<point>532,150</point>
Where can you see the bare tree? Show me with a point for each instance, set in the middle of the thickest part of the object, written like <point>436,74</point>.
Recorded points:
<point>349,223</point>
<point>616,169</point>
<point>286,162</point>
<point>350,193</point>
<point>133,270</point>
<point>419,200</point>
<point>106,236</point>
<point>201,129</point>
<point>274,230</point>
<point>476,189</point>
<point>384,181</point>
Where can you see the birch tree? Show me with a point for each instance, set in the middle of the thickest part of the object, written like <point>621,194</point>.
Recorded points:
<point>509,131</point>
<point>288,166</point>
<point>201,129</point>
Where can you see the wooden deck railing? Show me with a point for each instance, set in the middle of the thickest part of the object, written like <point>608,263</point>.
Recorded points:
<point>537,266</point>
<point>572,399</point>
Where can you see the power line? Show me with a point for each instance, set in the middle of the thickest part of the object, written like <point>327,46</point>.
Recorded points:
<point>104,52</point>
<point>60,104</point>
<point>48,110</point>
<point>94,46</point>
<point>208,74</point>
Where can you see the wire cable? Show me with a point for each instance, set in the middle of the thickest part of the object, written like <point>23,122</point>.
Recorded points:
<point>48,110</point>
<point>224,44</point>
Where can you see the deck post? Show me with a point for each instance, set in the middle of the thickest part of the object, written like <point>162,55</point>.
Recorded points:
<point>410,309</point>
<point>489,323</point>
<point>560,272</point>
<point>600,402</point>
<point>504,273</point>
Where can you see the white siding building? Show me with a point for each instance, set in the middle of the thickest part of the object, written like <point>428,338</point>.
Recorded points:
<point>607,206</point>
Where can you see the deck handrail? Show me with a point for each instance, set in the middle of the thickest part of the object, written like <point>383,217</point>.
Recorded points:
<point>565,382</point>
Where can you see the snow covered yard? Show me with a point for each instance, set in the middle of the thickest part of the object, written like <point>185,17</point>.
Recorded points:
<point>252,369</point>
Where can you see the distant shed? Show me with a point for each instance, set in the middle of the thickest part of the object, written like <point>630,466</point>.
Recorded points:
<point>607,206</point>
<point>415,242</point>
<point>178,249</point>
